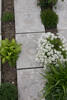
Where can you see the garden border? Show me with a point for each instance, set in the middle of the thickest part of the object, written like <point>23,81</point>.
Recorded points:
<point>8,74</point>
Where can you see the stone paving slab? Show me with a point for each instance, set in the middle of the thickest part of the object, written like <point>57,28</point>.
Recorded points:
<point>30,84</point>
<point>29,43</point>
<point>27,16</point>
<point>0,16</point>
<point>62,13</point>
<point>63,33</point>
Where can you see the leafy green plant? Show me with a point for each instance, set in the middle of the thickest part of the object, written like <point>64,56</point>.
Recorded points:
<point>8,92</point>
<point>49,18</point>
<point>47,3</point>
<point>7,17</point>
<point>9,51</point>
<point>56,82</point>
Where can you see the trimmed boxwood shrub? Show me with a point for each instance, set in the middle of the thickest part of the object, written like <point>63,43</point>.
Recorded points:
<point>44,4</point>
<point>8,92</point>
<point>49,18</point>
<point>47,3</point>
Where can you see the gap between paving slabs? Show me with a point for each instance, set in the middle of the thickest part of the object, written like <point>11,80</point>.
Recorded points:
<point>0,39</point>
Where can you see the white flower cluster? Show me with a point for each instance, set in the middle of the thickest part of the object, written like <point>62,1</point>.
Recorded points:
<point>46,52</point>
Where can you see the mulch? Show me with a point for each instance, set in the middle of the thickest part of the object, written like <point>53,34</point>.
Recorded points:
<point>9,74</point>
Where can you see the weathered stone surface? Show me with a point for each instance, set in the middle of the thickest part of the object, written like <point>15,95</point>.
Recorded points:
<point>63,33</point>
<point>0,16</point>
<point>29,43</point>
<point>30,84</point>
<point>62,13</point>
<point>27,16</point>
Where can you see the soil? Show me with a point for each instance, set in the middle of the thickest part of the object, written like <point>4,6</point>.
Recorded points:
<point>52,30</point>
<point>9,74</point>
<point>8,28</point>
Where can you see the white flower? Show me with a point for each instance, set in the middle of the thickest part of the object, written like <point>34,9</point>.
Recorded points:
<point>46,52</point>
<point>60,47</point>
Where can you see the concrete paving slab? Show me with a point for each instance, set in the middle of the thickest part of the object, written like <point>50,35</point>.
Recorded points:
<point>63,32</point>
<point>62,13</point>
<point>0,16</point>
<point>29,43</point>
<point>27,16</point>
<point>30,84</point>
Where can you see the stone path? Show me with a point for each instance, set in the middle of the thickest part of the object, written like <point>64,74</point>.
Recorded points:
<point>30,84</point>
<point>62,13</point>
<point>28,70</point>
<point>0,38</point>
<point>27,16</point>
<point>28,31</point>
<point>27,57</point>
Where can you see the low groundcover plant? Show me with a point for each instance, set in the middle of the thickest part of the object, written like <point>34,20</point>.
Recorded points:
<point>55,87</point>
<point>8,91</point>
<point>51,48</point>
<point>7,17</point>
<point>9,51</point>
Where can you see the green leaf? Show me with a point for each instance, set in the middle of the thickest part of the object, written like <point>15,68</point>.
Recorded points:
<point>9,51</point>
<point>3,60</point>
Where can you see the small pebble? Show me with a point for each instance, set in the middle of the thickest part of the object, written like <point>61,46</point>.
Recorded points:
<point>12,82</point>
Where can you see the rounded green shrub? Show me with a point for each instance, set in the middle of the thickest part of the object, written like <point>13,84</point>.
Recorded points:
<point>49,18</point>
<point>47,3</point>
<point>44,4</point>
<point>8,92</point>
